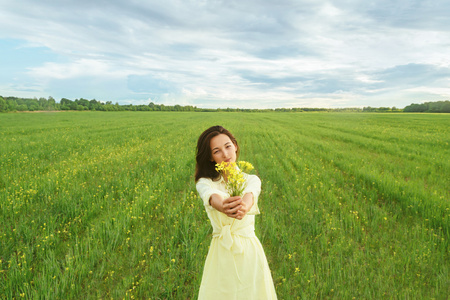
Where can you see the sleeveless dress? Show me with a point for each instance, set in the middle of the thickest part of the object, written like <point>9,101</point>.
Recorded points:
<point>236,266</point>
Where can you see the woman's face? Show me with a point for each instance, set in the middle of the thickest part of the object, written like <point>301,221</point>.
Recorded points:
<point>222,149</point>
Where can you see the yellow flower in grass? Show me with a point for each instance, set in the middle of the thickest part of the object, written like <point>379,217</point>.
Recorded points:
<point>245,166</point>
<point>234,173</point>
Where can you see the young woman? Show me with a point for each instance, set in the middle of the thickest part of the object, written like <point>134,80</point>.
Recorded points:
<point>236,266</point>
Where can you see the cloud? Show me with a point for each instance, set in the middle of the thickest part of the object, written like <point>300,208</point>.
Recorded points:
<point>150,85</point>
<point>414,14</point>
<point>229,53</point>
<point>413,75</point>
<point>83,67</point>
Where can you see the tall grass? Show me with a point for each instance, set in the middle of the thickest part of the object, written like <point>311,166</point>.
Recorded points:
<point>103,205</point>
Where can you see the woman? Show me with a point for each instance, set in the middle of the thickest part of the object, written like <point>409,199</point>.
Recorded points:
<point>236,266</point>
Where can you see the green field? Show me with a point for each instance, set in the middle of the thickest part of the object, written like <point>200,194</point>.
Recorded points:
<point>103,205</point>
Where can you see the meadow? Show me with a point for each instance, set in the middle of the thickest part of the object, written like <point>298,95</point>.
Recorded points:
<point>103,205</point>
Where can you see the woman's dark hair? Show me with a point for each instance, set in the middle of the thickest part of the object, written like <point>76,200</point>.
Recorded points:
<point>205,166</point>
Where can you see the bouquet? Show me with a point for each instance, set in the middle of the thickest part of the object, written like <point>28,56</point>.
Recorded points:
<point>234,172</point>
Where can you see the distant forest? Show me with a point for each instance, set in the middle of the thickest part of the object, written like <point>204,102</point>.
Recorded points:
<point>16,104</point>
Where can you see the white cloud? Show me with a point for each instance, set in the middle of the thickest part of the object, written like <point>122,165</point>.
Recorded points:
<point>229,53</point>
<point>80,68</point>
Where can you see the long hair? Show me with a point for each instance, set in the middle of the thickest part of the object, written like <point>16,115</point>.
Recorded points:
<point>206,167</point>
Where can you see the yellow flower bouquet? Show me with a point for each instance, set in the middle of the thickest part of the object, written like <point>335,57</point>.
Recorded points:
<point>234,173</point>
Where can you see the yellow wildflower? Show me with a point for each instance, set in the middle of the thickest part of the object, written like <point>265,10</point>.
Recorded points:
<point>235,176</point>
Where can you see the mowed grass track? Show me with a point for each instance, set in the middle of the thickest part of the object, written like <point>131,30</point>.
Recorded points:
<point>103,205</point>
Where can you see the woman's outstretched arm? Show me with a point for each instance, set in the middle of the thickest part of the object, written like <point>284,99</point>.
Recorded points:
<point>234,207</point>
<point>229,206</point>
<point>246,205</point>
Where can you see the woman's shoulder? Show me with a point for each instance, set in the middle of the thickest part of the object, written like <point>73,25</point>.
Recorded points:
<point>207,180</point>
<point>253,178</point>
<point>204,180</point>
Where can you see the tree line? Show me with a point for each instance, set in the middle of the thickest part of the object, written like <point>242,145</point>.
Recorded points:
<point>13,104</point>
<point>432,107</point>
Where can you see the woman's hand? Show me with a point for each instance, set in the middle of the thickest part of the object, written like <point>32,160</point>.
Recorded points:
<point>229,206</point>
<point>234,207</point>
<point>246,204</point>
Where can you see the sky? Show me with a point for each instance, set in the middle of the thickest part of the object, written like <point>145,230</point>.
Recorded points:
<point>218,54</point>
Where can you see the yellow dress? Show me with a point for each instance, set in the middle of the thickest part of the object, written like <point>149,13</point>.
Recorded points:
<point>236,266</point>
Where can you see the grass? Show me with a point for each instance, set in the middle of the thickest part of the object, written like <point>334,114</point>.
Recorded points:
<point>103,205</point>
